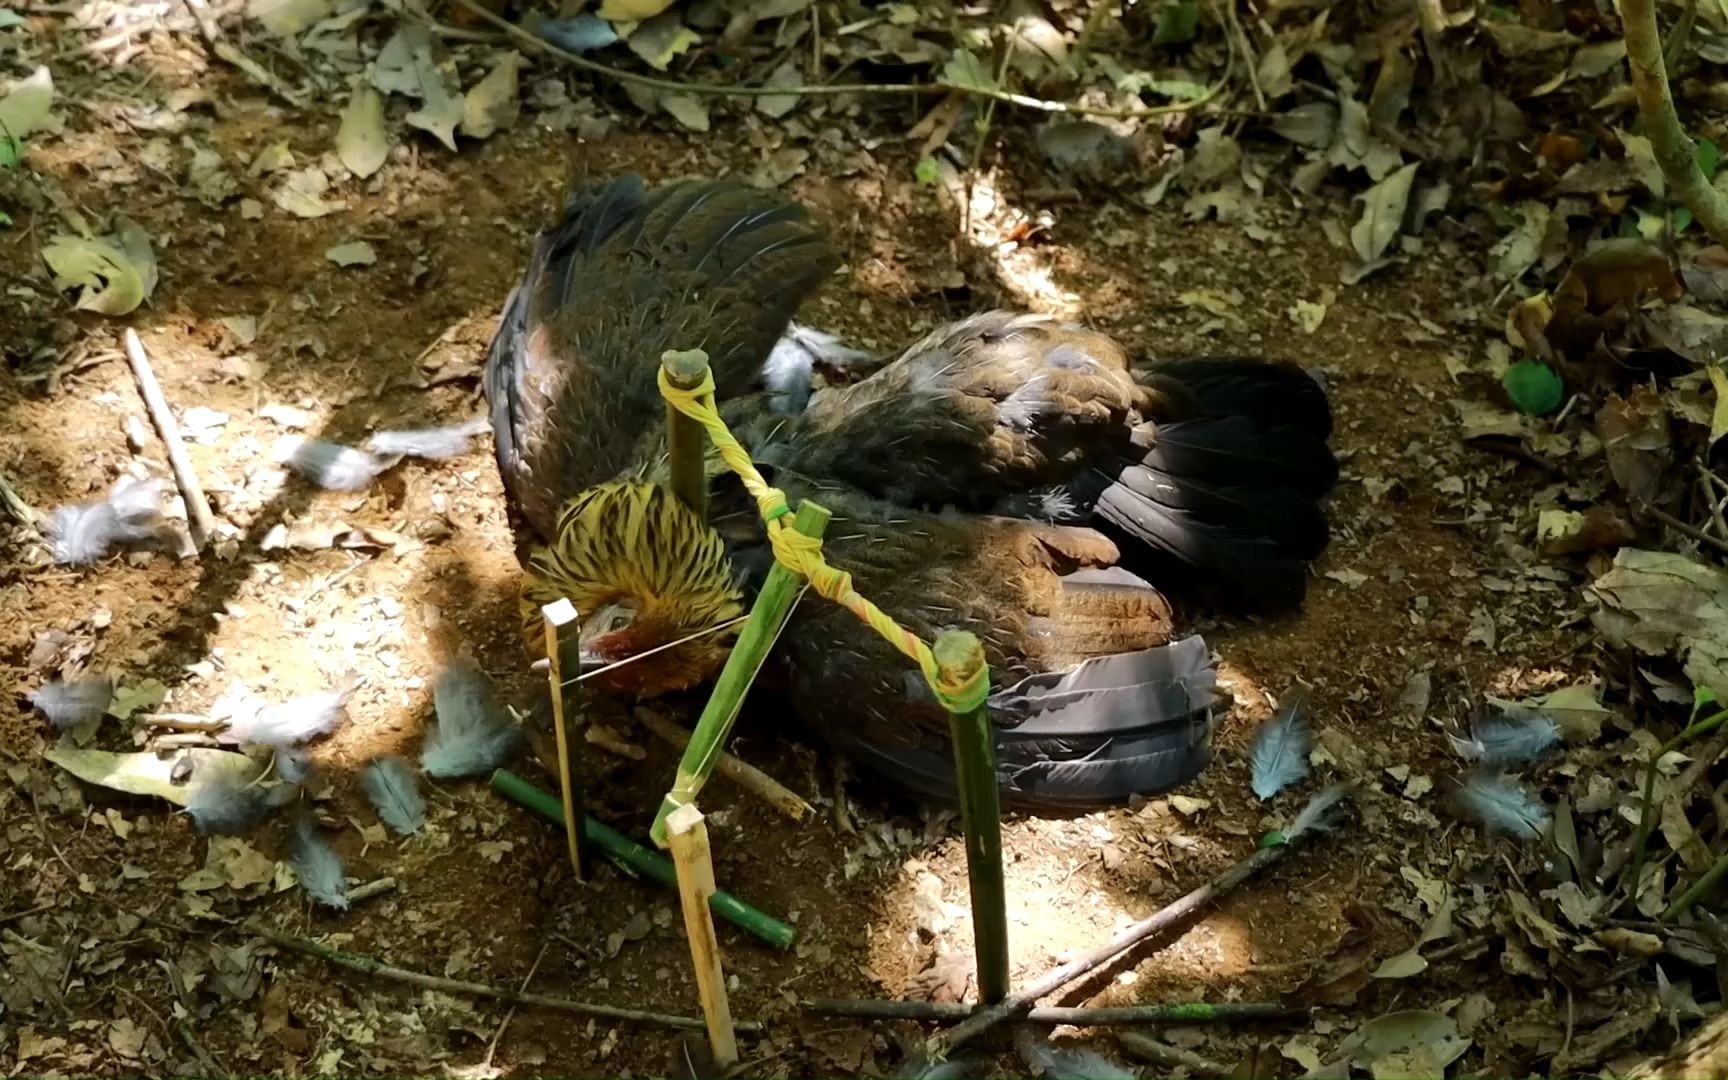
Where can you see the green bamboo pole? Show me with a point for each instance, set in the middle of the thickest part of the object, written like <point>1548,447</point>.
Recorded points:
<point>642,859</point>
<point>767,618</point>
<point>685,439</point>
<point>959,658</point>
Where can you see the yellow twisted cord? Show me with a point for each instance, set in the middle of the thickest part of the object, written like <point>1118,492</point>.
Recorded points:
<point>803,554</point>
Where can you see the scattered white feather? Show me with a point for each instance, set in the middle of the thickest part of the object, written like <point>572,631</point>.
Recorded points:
<point>318,867</point>
<point>73,704</point>
<point>1074,1061</point>
<point>132,515</point>
<point>336,467</point>
<point>1508,738</point>
<point>436,443</point>
<point>395,794</point>
<point>1320,814</point>
<point>293,722</point>
<point>473,736</point>
<point>1501,804</point>
<point>1280,752</point>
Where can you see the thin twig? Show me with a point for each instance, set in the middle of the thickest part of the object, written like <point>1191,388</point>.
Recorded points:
<point>371,889</point>
<point>676,87</point>
<point>226,51</point>
<point>742,773</point>
<point>1233,26</point>
<point>510,1014</point>
<point>198,516</point>
<point>181,721</point>
<point>14,505</point>
<point>1194,1013</point>
<point>369,966</point>
<point>1170,1057</point>
<point>1161,921</point>
<point>1684,529</point>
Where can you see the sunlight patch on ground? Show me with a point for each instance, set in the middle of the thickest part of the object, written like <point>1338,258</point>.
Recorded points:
<point>998,231</point>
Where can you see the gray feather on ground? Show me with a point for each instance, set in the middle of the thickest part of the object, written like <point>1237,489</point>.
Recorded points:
<point>395,794</point>
<point>293,722</point>
<point>1073,1060</point>
<point>1280,752</point>
<point>294,766</point>
<point>222,806</point>
<point>1508,738</point>
<point>335,467</point>
<point>473,735</point>
<point>318,866</point>
<point>1500,804</point>
<point>73,703</point>
<point>130,516</point>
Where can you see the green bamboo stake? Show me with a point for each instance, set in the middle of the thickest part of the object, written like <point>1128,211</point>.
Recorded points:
<point>639,858</point>
<point>559,621</point>
<point>767,618</point>
<point>685,439</point>
<point>959,658</point>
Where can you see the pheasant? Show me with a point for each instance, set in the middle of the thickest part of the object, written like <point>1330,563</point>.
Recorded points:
<point>1009,474</point>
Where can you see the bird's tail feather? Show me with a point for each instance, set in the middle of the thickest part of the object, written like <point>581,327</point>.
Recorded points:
<point>1234,490</point>
<point>1112,727</point>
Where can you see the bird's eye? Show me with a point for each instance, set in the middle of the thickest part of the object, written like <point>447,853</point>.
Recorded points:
<point>619,621</point>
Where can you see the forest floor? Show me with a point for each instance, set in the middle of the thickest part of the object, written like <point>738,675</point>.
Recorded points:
<point>129,955</point>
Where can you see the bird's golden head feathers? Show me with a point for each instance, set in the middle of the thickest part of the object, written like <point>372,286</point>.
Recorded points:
<point>634,554</point>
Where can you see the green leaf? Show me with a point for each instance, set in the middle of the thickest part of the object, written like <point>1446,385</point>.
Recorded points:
<point>926,171</point>
<point>966,71</point>
<point>1535,388</point>
<point>11,152</point>
<point>1178,21</point>
<point>1682,218</point>
<point>1708,158</point>
<point>1702,696</point>
<point>5,219</point>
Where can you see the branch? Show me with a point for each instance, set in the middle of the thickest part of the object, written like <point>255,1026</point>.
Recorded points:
<point>198,517</point>
<point>1675,152</point>
<point>673,86</point>
<point>370,966</point>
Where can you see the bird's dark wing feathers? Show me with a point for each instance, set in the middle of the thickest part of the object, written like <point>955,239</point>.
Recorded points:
<point>623,275</point>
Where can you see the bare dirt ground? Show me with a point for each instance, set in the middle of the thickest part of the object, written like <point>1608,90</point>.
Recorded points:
<point>124,956</point>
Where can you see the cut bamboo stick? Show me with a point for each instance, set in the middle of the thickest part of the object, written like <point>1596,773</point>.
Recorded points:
<point>767,618</point>
<point>690,855</point>
<point>685,439</point>
<point>638,858</point>
<point>559,619</point>
<point>199,521</point>
<point>742,773</point>
<point>959,658</point>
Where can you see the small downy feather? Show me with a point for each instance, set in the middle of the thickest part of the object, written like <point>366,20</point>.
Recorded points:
<point>1501,804</point>
<point>1280,753</point>
<point>130,516</point>
<point>1320,815</point>
<point>294,722</point>
<point>1073,1060</point>
<point>437,444</point>
<point>220,806</point>
<point>318,867</point>
<point>294,766</point>
<point>73,703</point>
<point>395,794</point>
<point>336,467</point>
<point>1508,738</point>
<point>473,736</point>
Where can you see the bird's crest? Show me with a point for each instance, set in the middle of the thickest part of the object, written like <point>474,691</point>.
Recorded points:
<point>636,542</point>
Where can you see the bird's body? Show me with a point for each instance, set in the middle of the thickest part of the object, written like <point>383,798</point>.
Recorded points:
<point>1002,476</point>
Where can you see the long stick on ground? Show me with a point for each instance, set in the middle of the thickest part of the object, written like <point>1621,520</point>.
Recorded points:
<point>1314,817</point>
<point>198,517</point>
<point>690,854</point>
<point>742,773</point>
<point>1194,1013</point>
<point>370,966</point>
